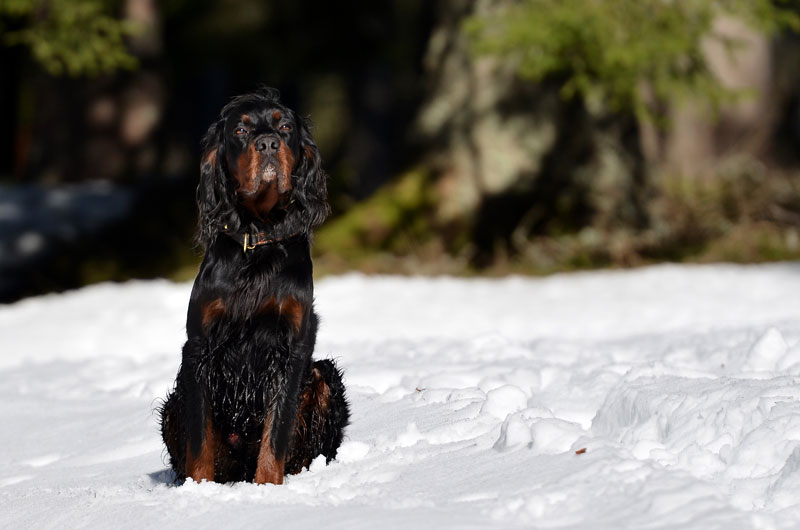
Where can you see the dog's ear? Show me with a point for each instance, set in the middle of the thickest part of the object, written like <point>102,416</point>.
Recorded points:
<point>313,179</point>
<point>215,205</point>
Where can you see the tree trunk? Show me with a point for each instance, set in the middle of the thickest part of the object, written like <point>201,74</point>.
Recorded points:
<point>514,161</point>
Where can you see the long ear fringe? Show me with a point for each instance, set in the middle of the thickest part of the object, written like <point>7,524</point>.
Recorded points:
<point>314,186</point>
<point>215,203</point>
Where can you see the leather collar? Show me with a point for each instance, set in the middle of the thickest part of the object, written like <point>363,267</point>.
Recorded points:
<point>250,241</point>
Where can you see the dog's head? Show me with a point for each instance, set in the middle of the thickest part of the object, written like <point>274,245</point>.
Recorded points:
<point>261,171</point>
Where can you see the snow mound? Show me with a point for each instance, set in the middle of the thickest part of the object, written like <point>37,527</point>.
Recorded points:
<point>666,397</point>
<point>767,352</point>
<point>721,429</point>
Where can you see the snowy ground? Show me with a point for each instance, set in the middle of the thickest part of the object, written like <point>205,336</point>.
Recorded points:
<point>472,402</point>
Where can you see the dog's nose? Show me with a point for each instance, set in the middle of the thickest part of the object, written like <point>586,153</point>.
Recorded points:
<point>268,143</point>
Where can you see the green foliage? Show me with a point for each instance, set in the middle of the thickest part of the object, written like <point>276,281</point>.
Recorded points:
<point>606,51</point>
<point>72,37</point>
<point>392,222</point>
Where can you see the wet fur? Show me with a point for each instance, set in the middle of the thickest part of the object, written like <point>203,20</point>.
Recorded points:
<point>247,377</point>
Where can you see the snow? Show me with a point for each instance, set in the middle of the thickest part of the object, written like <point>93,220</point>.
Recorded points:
<point>666,397</point>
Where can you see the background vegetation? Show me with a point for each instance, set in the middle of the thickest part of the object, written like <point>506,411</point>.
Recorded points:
<point>462,136</point>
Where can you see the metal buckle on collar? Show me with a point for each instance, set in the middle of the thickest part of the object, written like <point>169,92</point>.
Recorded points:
<point>245,246</point>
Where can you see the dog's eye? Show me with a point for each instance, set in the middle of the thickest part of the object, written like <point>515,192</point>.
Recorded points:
<point>286,127</point>
<point>240,131</point>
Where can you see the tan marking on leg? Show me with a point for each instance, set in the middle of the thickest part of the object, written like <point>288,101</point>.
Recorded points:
<point>312,409</point>
<point>323,394</point>
<point>201,466</point>
<point>269,469</point>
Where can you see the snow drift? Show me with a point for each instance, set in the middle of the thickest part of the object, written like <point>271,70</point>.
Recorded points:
<point>665,397</point>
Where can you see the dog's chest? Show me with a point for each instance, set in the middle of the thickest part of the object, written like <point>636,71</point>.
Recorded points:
<point>253,297</point>
<point>253,314</point>
<point>251,335</point>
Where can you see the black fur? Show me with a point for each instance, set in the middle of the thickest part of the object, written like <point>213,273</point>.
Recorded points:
<point>247,365</point>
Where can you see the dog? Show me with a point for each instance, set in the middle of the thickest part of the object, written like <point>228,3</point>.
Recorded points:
<point>249,402</point>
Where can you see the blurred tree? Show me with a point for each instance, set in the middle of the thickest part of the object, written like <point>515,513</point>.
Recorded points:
<point>72,37</point>
<point>513,160</point>
<point>605,50</point>
<point>535,111</point>
<point>51,50</point>
<point>354,67</point>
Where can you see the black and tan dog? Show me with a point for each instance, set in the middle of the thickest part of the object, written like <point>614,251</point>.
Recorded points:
<point>249,402</point>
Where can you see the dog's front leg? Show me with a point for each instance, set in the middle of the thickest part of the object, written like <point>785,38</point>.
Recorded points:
<point>280,421</point>
<point>270,465</point>
<point>200,454</point>
<point>200,439</point>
